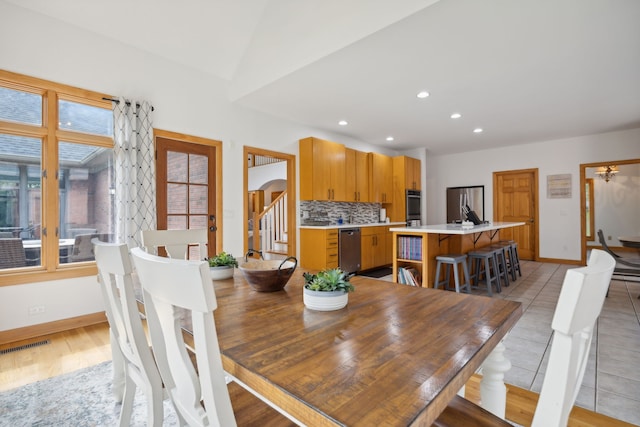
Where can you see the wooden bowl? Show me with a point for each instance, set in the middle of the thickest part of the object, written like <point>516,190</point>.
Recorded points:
<point>268,275</point>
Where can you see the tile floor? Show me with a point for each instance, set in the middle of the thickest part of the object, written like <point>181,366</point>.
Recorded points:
<point>611,384</point>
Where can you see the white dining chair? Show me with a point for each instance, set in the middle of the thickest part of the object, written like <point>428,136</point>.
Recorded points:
<point>131,353</point>
<point>580,302</point>
<point>176,242</point>
<point>199,394</point>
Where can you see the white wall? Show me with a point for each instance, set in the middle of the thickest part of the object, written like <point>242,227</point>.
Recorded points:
<point>559,225</point>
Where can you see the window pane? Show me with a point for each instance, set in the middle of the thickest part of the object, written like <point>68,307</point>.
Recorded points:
<point>20,201</point>
<point>20,107</point>
<point>85,118</point>
<point>198,199</point>
<point>177,198</point>
<point>86,199</point>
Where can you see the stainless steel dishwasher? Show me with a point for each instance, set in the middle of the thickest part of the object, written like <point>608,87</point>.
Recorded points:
<point>349,250</point>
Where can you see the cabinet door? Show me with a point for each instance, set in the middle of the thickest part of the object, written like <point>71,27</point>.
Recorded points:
<point>413,173</point>
<point>362,176</point>
<point>322,170</point>
<point>367,251</point>
<point>336,161</point>
<point>381,181</point>
<point>351,168</point>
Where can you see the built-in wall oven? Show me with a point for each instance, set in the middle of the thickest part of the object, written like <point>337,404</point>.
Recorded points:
<point>414,206</point>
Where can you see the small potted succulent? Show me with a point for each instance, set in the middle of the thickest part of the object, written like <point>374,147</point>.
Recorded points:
<point>326,291</point>
<point>221,266</point>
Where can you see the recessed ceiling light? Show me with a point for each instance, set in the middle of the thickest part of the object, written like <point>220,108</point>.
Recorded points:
<point>477,130</point>
<point>423,94</point>
<point>456,115</point>
<point>343,123</point>
<point>389,138</point>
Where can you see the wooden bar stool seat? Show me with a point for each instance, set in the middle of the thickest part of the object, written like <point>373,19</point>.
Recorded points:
<point>453,261</point>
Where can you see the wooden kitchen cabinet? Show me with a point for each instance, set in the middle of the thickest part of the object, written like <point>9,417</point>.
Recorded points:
<point>407,169</point>
<point>318,248</point>
<point>376,247</point>
<point>357,176</point>
<point>322,170</point>
<point>381,178</point>
<point>406,176</point>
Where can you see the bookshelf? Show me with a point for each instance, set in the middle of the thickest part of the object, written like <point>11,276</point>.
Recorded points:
<point>409,254</point>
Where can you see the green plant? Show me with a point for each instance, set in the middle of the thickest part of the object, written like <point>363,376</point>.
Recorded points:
<point>328,280</point>
<point>223,259</point>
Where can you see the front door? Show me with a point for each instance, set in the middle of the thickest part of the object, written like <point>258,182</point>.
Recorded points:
<point>515,199</point>
<point>188,184</point>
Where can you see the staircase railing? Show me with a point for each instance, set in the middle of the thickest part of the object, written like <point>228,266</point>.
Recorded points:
<point>273,226</point>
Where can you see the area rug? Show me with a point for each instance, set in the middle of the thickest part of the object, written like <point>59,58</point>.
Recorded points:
<point>81,398</point>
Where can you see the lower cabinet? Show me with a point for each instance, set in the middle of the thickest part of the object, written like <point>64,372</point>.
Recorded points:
<point>376,247</point>
<point>318,248</point>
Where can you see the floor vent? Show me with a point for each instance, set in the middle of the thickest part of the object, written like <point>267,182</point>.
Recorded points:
<point>24,347</point>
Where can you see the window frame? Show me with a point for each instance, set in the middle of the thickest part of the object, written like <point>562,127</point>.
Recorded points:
<point>50,135</point>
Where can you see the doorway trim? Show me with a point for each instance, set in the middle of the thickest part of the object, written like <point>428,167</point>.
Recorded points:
<point>159,133</point>
<point>291,194</point>
<point>583,201</point>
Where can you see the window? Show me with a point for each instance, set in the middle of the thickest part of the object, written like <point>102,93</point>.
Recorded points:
<point>56,178</point>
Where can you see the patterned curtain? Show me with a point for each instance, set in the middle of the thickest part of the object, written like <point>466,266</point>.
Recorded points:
<point>135,174</point>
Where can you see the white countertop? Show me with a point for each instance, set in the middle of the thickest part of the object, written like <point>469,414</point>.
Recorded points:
<point>456,228</point>
<point>372,224</point>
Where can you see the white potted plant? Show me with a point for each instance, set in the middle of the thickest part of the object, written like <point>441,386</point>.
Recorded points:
<point>221,266</point>
<point>326,291</point>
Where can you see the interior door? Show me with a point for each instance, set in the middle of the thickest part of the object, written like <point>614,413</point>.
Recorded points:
<point>188,185</point>
<point>515,199</point>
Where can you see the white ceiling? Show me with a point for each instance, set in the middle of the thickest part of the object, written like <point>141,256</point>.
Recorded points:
<point>523,70</point>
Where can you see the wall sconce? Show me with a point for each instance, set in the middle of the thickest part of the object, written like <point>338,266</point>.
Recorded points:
<point>607,173</point>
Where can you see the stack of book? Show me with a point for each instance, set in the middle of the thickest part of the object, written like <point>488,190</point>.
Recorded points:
<point>409,276</point>
<point>410,247</point>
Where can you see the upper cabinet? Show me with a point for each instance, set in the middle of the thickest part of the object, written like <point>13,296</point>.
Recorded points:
<point>381,178</point>
<point>406,176</point>
<point>411,173</point>
<point>322,170</point>
<point>357,176</point>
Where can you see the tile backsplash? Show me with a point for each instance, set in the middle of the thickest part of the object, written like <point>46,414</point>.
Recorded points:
<point>351,213</point>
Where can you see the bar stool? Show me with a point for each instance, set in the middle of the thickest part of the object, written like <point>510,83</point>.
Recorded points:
<point>454,261</point>
<point>501,251</point>
<point>514,258</point>
<point>483,262</point>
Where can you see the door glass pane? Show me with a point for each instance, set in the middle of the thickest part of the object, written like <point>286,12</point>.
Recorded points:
<point>85,118</point>
<point>198,199</point>
<point>177,167</point>
<point>20,107</point>
<point>197,221</point>
<point>198,169</point>
<point>176,198</point>
<point>20,201</point>
<point>86,195</point>
<point>176,222</point>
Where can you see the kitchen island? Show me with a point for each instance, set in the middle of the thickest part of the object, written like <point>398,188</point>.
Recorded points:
<point>418,247</point>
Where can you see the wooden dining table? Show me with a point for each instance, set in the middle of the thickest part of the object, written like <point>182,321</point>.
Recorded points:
<point>395,356</point>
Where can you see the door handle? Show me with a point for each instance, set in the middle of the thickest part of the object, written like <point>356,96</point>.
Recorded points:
<point>213,228</point>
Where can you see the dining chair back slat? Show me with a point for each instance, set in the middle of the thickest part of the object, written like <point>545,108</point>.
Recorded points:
<point>176,242</point>
<point>128,340</point>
